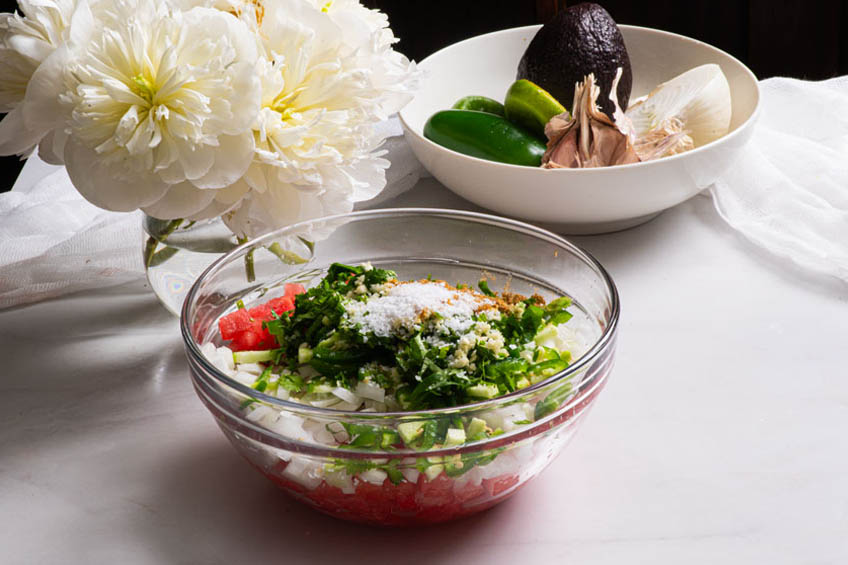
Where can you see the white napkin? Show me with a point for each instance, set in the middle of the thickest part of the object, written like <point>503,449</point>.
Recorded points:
<point>788,192</point>
<point>54,242</point>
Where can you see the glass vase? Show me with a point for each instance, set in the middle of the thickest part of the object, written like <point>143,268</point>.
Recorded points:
<point>176,252</point>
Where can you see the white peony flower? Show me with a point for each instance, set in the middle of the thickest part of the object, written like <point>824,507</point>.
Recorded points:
<point>259,111</point>
<point>26,41</point>
<point>161,103</point>
<point>329,75</point>
<point>368,31</point>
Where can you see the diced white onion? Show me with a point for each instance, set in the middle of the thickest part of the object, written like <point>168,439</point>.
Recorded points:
<point>325,437</point>
<point>244,378</point>
<point>325,403</point>
<point>347,406</point>
<point>372,391</point>
<point>226,355</point>
<point>345,395</point>
<point>410,474</point>
<point>373,476</point>
<point>304,471</point>
<point>220,357</point>
<point>290,426</point>
<point>209,350</point>
<point>254,368</point>
<point>259,413</point>
<point>374,406</point>
<point>338,431</point>
<point>340,479</point>
<point>505,417</point>
<point>503,464</point>
<point>281,453</point>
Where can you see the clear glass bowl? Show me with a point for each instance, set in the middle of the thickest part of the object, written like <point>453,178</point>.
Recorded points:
<point>403,486</point>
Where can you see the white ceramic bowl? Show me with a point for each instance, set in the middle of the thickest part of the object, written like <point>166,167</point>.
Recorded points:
<point>576,200</point>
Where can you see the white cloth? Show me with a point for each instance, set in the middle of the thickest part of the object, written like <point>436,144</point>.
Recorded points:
<point>788,192</point>
<point>53,242</point>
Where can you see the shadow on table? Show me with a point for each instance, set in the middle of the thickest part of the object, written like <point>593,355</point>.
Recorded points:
<point>626,250</point>
<point>215,508</point>
<point>86,363</point>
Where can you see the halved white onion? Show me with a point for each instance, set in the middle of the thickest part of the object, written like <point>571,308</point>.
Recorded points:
<point>699,98</point>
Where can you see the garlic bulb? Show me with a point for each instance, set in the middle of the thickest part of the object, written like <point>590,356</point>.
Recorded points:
<point>696,103</point>
<point>588,137</point>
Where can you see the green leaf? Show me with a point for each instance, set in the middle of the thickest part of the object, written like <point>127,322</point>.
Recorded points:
<point>291,382</point>
<point>394,473</point>
<point>551,402</point>
<point>430,435</point>
<point>560,318</point>
<point>370,437</point>
<point>483,285</point>
<point>549,368</point>
<point>507,371</point>
<point>352,466</point>
<point>558,304</point>
<point>262,381</point>
<point>532,319</point>
<point>556,312</point>
<point>389,439</point>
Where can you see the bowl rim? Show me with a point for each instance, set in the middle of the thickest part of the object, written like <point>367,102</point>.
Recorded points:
<point>596,350</point>
<point>747,123</point>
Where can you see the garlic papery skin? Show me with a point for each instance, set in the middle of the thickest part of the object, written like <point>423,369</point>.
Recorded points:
<point>588,137</point>
<point>669,138</point>
<point>699,99</point>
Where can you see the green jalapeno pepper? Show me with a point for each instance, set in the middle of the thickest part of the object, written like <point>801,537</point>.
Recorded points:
<point>485,136</point>
<point>479,104</point>
<point>530,106</point>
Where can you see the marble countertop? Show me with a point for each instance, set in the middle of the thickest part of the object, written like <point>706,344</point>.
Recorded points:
<point>720,437</point>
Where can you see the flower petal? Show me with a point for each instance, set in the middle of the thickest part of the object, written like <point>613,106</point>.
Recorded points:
<point>196,161</point>
<point>51,148</point>
<point>232,158</point>
<point>180,201</point>
<point>225,200</point>
<point>15,138</point>
<point>245,109</point>
<point>107,185</point>
<point>42,109</point>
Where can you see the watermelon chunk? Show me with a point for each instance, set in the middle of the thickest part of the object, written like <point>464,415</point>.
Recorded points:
<point>406,503</point>
<point>293,289</point>
<point>243,328</point>
<point>233,324</point>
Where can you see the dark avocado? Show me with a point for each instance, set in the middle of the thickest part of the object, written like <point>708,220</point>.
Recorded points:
<point>580,40</point>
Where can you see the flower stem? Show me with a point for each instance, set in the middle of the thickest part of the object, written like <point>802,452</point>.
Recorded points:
<point>286,256</point>
<point>152,244</point>
<point>249,268</point>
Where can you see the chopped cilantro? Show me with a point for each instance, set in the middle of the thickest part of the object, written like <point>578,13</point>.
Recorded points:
<point>433,362</point>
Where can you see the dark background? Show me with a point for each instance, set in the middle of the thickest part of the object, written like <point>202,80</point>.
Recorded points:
<point>798,38</point>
